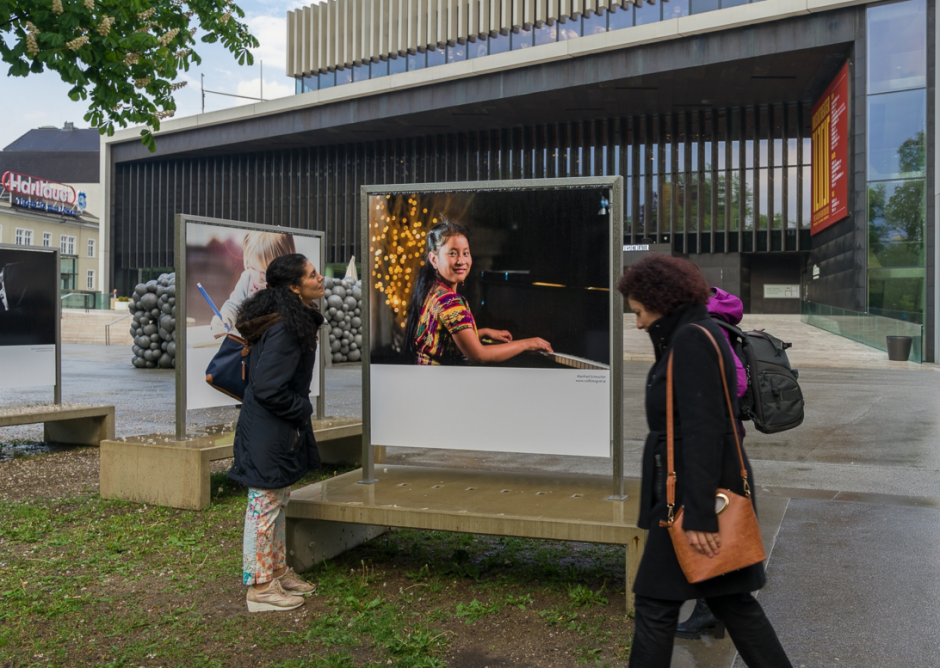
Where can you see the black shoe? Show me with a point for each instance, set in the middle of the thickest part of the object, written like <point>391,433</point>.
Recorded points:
<point>700,622</point>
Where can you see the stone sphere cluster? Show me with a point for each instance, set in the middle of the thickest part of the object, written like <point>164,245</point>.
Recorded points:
<point>153,323</point>
<point>343,310</point>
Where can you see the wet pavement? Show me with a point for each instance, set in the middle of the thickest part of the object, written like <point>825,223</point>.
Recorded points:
<point>853,495</point>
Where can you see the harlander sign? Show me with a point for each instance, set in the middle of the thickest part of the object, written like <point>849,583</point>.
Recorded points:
<point>52,197</point>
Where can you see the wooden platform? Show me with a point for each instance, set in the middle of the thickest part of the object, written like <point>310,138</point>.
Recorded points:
<point>71,424</point>
<point>157,469</point>
<point>334,515</point>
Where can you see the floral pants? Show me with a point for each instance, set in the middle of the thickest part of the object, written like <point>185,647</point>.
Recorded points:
<point>263,551</point>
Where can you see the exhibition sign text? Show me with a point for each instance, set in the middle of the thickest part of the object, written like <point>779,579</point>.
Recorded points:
<point>830,154</point>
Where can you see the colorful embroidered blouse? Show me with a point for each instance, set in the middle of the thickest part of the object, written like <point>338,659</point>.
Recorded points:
<point>444,314</point>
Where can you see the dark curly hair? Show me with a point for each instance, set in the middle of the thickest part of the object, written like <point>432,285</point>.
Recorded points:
<point>663,283</point>
<point>300,320</point>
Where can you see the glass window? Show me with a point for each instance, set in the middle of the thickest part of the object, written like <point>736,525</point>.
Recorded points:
<point>311,83</point>
<point>298,85</point>
<point>397,65</point>
<point>733,3</point>
<point>570,28</point>
<point>702,6</point>
<point>47,239</point>
<point>521,39</point>
<point>456,52</point>
<point>436,57</point>
<point>90,280</point>
<point>546,34</point>
<point>896,212</point>
<point>343,76</point>
<point>594,24</point>
<point>361,72</point>
<point>620,17</point>
<point>675,9</point>
<point>67,245</point>
<point>327,79</point>
<point>417,61</point>
<point>897,46</point>
<point>91,248</point>
<point>24,237</point>
<point>378,68</point>
<point>648,13</point>
<point>478,48</point>
<point>896,131</point>
<point>499,43</point>
<point>897,293</point>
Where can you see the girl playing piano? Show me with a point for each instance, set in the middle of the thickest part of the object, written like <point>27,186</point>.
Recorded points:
<point>440,328</point>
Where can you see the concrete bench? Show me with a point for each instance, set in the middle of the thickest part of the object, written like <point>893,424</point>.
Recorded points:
<point>335,515</point>
<point>71,424</point>
<point>159,470</point>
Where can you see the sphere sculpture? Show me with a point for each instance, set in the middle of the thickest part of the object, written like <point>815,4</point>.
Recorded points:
<point>153,323</point>
<point>342,307</point>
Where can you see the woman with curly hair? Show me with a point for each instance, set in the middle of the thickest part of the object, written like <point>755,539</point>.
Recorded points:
<point>274,442</point>
<point>440,328</point>
<point>669,296</point>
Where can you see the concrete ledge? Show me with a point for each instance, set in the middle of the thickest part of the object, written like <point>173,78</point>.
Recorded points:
<point>160,470</point>
<point>71,424</point>
<point>321,518</point>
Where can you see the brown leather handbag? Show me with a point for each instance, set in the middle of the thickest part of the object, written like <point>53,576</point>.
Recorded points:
<point>738,531</point>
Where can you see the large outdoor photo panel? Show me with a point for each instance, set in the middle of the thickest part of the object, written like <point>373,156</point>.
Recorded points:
<point>540,266</point>
<point>227,260</point>
<point>29,312</point>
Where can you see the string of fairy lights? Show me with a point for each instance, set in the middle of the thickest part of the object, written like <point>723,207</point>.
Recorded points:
<point>398,243</point>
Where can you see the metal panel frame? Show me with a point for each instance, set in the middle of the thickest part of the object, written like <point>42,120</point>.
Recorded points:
<point>616,185</point>
<point>180,267</point>
<point>57,388</point>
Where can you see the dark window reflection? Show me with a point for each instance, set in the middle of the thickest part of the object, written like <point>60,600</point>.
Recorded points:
<point>327,79</point>
<point>647,13</point>
<point>675,9</point>
<point>897,293</point>
<point>478,48</point>
<point>702,6</point>
<point>896,212</point>
<point>343,76</point>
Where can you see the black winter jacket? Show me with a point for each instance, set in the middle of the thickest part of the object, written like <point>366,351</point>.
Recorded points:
<point>705,453</point>
<point>274,442</point>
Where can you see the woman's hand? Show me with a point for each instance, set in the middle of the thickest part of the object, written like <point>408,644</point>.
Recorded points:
<point>536,343</point>
<point>496,335</point>
<point>703,542</point>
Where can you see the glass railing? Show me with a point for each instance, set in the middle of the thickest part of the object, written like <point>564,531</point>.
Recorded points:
<point>86,300</point>
<point>590,23</point>
<point>867,328</point>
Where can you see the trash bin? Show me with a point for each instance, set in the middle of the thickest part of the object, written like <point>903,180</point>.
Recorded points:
<point>899,348</point>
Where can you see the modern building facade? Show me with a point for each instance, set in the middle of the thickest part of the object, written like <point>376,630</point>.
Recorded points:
<point>706,107</point>
<point>67,160</point>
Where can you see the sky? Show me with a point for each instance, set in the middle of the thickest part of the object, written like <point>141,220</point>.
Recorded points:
<point>43,99</point>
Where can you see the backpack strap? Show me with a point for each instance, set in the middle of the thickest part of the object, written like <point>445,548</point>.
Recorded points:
<point>670,431</point>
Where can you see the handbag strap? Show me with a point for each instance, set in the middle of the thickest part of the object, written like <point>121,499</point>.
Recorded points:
<point>670,431</point>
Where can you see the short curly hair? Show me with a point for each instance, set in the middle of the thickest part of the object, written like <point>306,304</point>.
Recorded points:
<point>663,283</point>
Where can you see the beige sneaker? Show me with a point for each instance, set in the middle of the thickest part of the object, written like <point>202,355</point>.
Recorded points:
<point>272,598</point>
<point>294,585</point>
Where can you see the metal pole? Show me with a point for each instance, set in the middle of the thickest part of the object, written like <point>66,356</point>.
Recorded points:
<point>180,330</point>
<point>57,390</point>
<point>616,338</point>
<point>262,80</point>
<point>202,88</point>
<point>368,452</point>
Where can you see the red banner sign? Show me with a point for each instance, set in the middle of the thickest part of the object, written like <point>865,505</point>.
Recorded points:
<point>831,154</point>
<point>33,186</point>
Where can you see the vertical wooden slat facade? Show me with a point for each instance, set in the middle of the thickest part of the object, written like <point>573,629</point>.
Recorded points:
<point>692,180</point>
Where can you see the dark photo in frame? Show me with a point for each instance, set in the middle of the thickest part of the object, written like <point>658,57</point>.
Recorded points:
<point>29,286</point>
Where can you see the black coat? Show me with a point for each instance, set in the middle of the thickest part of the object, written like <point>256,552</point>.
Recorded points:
<point>705,454</point>
<point>274,442</point>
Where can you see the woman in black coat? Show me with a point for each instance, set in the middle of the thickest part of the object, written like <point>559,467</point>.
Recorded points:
<point>274,442</point>
<point>668,295</point>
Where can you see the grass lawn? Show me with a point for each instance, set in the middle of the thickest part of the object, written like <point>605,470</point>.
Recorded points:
<point>90,582</point>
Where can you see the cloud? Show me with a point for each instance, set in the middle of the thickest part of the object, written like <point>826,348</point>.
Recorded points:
<point>271,33</point>
<point>272,89</point>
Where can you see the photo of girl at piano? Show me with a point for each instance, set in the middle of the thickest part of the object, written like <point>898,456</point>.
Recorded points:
<point>440,328</point>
